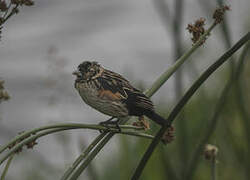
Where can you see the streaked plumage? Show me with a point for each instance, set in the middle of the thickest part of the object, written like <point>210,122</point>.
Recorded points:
<point>111,94</point>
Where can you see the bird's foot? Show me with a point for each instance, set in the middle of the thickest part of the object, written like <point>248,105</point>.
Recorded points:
<point>142,123</point>
<point>110,122</point>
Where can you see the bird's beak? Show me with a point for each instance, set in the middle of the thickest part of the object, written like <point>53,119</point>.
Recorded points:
<point>77,73</point>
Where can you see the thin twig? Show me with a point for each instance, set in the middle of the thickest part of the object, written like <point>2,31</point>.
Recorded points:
<point>184,100</point>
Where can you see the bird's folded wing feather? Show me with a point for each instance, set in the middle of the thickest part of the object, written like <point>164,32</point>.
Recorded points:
<point>117,85</point>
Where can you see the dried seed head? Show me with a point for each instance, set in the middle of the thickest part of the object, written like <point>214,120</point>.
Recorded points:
<point>16,2</point>
<point>3,6</point>
<point>168,136</point>
<point>210,151</point>
<point>1,20</point>
<point>219,13</point>
<point>4,95</point>
<point>28,3</point>
<point>31,144</point>
<point>1,84</point>
<point>23,2</point>
<point>15,10</point>
<point>197,29</point>
<point>19,150</point>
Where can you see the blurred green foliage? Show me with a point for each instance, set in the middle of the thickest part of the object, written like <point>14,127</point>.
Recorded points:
<point>230,137</point>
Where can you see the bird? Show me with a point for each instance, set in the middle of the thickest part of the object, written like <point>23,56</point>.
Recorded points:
<point>110,93</point>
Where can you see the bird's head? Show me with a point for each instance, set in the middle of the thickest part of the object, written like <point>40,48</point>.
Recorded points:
<point>87,70</point>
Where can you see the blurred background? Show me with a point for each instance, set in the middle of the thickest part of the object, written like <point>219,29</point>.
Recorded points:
<point>44,43</point>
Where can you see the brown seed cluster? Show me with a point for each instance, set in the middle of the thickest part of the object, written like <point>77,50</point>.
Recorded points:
<point>168,136</point>
<point>10,7</point>
<point>3,6</point>
<point>4,96</point>
<point>29,145</point>
<point>219,13</point>
<point>23,2</point>
<point>196,29</point>
<point>210,152</point>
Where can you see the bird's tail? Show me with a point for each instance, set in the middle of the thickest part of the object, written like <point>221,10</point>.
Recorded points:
<point>156,118</point>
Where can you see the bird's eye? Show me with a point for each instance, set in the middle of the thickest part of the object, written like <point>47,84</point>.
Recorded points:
<point>84,66</point>
<point>87,64</point>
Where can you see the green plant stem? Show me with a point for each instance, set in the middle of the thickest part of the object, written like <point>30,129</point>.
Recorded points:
<point>184,100</point>
<point>209,130</point>
<point>242,106</point>
<point>30,139</point>
<point>169,170</point>
<point>6,167</point>
<point>213,168</point>
<point>156,85</point>
<point>82,126</point>
<point>181,124</point>
<point>82,156</point>
<point>214,120</point>
<point>89,158</point>
<point>46,132</point>
<point>167,74</point>
<point>83,166</point>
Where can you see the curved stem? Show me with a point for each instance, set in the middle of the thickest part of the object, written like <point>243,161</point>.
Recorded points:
<point>82,156</point>
<point>79,171</point>
<point>30,139</point>
<point>83,166</point>
<point>46,132</point>
<point>184,100</point>
<point>87,126</point>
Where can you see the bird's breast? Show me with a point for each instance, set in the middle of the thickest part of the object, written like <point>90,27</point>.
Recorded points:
<point>103,101</point>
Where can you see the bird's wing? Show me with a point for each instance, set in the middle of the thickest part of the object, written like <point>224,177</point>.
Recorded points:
<point>119,86</point>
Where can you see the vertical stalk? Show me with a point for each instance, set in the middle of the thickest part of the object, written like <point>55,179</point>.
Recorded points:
<point>213,168</point>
